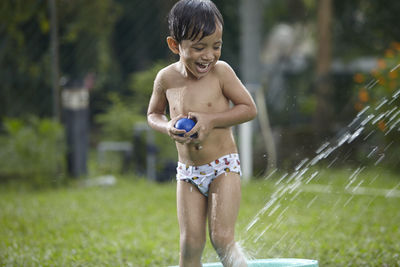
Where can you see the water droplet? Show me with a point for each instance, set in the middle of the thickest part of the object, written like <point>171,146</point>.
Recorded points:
<point>367,119</point>
<point>380,116</point>
<point>372,152</point>
<point>277,243</point>
<point>372,84</point>
<point>398,65</point>
<point>393,192</point>
<point>391,143</point>
<point>390,112</point>
<point>280,180</point>
<point>348,201</point>
<point>270,174</point>
<point>357,186</point>
<point>394,116</point>
<point>311,202</point>
<point>301,164</point>
<point>380,159</point>
<point>355,135</point>
<point>344,138</point>
<point>252,223</point>
<point>362,111</point>
<point>322,147</point>
<point>262,233</point>
<point>274,209</point>
<point>296,195</point>
<point>396,94</point>
<point>312,177</point>
<point>368,135</point>
<point>332,162</point>
<point>384,101</point>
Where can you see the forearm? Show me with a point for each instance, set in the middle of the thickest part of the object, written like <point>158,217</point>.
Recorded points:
<point>236,115</point>
<point>158,122</point>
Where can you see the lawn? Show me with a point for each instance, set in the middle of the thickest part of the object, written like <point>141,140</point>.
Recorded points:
<point>133,223</point>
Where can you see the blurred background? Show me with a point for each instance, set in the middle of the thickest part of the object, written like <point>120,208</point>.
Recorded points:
<point>76,78</point>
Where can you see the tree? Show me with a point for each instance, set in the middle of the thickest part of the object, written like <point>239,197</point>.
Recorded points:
<point>323,86</point>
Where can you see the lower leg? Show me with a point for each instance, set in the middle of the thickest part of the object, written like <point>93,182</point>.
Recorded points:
<point>223,208</point>
<point>232,256</point>
<point>227,249</point>
<point>192,213</point>
<point>190,252</point>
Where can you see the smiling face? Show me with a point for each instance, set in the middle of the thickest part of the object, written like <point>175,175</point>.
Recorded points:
<point>197,56</point>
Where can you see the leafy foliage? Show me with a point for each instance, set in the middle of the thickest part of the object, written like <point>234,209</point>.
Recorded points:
<point>123,114</point>
<point>380,89</point>
<point>118,120</point>
<point>32,150</point>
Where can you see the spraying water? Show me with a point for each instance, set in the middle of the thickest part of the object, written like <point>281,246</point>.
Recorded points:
<point>289,186</point>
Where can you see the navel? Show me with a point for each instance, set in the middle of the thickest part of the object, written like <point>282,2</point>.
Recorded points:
<point>209,104</point>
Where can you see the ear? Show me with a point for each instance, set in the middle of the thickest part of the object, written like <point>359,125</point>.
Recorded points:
<point>173,45</point>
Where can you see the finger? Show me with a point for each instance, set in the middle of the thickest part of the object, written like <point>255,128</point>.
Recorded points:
<point>179,132</point>
<point>181,139</point>
<point>193,132</point>
<point>192,115</point>
<point>180,116</point>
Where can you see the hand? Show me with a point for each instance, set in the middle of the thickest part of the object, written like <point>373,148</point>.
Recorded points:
<point>176,133</point>
<point>203,126</point>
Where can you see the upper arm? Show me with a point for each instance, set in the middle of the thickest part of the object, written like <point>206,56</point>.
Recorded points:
<point>233,88</point>
<point>158,100</point>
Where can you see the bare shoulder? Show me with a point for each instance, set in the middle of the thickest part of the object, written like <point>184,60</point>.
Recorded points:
<point>224,71</point>
<point>227,75</point>
<point>165,77</point>
<point>223,67</point>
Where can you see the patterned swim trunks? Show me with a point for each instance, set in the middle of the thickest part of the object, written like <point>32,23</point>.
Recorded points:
<point>202,176</point>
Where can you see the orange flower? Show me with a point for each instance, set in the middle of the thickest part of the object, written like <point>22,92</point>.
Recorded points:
<point>381,63</point>
<point>393,74</point>
<point>382,81</point>
<point>358,106</point>
<point>396,45</point>
<point>389,53</point>
<point>363,95</point>
<point>382,125</point>
<point>359,78</point>
<point>375,73</point>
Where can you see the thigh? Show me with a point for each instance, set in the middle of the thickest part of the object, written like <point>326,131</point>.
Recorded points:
<point>224,201</point>
<point>192,210</point>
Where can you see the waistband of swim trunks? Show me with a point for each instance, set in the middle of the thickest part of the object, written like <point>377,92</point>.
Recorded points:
<point>212,163</point>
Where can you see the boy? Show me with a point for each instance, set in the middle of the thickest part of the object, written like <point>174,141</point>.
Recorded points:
<point>201,87</point>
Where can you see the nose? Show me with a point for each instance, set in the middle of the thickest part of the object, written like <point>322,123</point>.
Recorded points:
<point>208,55</point>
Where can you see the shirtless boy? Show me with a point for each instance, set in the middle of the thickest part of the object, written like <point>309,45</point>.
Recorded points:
<point>201,87</point>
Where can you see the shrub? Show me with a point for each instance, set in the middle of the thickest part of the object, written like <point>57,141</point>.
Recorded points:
<point>33,150</point>
<point>379,97</point>
<point>126,112</point>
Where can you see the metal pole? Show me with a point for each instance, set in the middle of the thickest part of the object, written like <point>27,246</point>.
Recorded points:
<point>250,43</point>
<point>54,60</point>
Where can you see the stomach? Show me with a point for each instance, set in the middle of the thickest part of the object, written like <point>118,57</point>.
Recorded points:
<point>218,143</point>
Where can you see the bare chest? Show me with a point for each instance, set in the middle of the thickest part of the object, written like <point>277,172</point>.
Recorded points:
<point>197,96</point>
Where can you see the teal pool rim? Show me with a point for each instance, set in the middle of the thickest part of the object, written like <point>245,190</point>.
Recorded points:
<point>273,262</point>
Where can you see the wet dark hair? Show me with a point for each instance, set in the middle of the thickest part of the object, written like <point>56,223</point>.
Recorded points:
<point>189,18</point>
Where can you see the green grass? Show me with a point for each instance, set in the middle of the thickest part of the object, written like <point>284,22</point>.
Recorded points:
<point>134,223</point>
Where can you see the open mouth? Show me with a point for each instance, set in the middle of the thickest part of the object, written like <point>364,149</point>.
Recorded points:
<point>203,67</point>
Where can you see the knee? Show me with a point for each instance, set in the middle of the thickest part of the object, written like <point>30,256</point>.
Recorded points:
<point>191,245</point>
<point>221,240</point>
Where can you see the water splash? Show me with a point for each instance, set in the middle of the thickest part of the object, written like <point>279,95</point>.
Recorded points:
<point>289,186</point>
